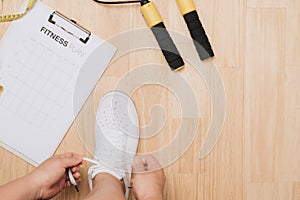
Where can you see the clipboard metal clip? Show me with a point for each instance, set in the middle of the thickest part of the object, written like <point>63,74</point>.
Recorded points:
<point>70,26</point>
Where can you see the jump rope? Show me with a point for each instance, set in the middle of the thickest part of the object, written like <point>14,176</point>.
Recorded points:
<point>156,24</point>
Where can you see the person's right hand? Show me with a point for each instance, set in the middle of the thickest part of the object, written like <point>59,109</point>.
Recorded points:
<point>51,176</point>
<point>148,179</point>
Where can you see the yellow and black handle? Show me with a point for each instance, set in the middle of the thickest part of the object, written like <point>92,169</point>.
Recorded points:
<point>161,34</point>
<point>189,12</point>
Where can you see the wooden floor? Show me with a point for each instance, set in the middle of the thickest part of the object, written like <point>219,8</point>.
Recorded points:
<point>257,47</point>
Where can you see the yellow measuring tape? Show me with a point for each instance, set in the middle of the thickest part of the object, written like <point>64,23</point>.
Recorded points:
<point>12,17</point>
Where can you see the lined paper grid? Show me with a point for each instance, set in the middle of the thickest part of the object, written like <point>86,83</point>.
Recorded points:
<point>38,75</point>
<point>40,78</point>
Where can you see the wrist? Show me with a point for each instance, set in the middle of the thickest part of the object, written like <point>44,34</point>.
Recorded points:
<point>27,188</point>
<point>33,186</point>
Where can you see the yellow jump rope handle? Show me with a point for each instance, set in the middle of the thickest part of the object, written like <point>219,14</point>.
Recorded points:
<point>189,12</point>
<point>162,36</point>
<point>12,17</point>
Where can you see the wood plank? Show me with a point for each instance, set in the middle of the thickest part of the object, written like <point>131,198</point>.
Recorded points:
<point>225,24</point>
<point>267,3</point>
<point>293,34</point>
<point>264,94</point>
<point>256,46</point>
<point>222,172</point>
<point>261,191</point>
<point>291,147</point>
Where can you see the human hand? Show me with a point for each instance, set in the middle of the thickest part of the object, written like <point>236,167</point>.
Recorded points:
<point>148,179</point>
<point>50,177</point>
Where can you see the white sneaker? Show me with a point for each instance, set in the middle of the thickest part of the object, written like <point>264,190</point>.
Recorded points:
<point>116,135</point>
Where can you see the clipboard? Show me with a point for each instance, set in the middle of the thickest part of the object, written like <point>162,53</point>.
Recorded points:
<point>70,26</point>
<point>49,66</point>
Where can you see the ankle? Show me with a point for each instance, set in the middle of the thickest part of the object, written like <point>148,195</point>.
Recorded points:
<point>108,179</point>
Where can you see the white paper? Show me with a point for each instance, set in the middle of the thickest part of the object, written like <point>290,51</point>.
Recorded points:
<point>46,82</point>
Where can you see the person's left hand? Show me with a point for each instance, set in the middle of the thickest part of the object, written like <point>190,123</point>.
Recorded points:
<point>51,176</point>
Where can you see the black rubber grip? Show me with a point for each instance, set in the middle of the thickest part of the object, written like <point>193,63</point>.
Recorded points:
<point>167,46</point>
<point>198,34</point>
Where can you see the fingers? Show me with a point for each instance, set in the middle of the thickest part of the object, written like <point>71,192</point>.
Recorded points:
<point>71,159</point>
<point>66,155</point>
<point>138,165</point>
<point>70,155</point>
<point>76,175</point>
<point>75,169</point>
<point>151,182</point>
<point>145,163</point>
<point>151,162</point>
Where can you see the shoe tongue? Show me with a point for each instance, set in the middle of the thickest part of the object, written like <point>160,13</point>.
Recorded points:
<point>111,146</point>
<point>116,138</point>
